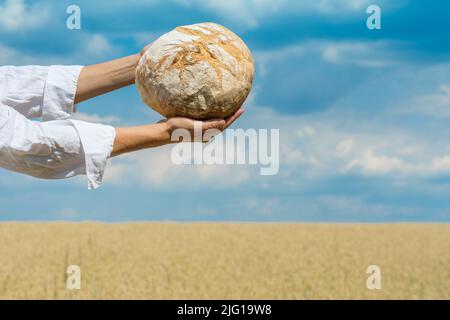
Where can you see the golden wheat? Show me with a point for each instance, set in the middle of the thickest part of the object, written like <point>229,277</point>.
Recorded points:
<point>223,260</point>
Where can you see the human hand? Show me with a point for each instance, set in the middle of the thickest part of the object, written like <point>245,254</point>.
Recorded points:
<point>214,126</point>
<point>130,139</point>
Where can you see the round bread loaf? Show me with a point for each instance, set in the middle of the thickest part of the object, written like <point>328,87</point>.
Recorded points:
<point>201,71</point>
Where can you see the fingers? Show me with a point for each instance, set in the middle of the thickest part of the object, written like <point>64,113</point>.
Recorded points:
<point>191,124</point>
<point>214,124</point>
<point>233,117</point>
<point>222,124</point>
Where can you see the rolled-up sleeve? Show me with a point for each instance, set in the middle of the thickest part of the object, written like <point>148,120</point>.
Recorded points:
<point>54,149</point>
<point>46,92</point>
<point>97,141</point>
<point>58,147</point>
<point>59,92</point>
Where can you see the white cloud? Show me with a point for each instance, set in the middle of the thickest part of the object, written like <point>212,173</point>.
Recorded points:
<point>365,54</point>
<point>245,14</point>
<point>372,164</point>
<point>363,132</point>
<point>13,56</point>
<point>330,142</point>
<point>306,131</point>
<point>98,45</point>
<point>252,13</point>
<point>9,55</point>
<point>436,104</point>
<point>107,119</point>
<point>154,168</point>
<point>331,151</point>
<point>440,164</point>
<point>345,146</point>
<point>16,15</point>
<point>320,147</point>
<point>334,149</point>
<point>93,47</point>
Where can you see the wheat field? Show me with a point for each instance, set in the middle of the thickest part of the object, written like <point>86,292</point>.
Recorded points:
<point>224,260</point>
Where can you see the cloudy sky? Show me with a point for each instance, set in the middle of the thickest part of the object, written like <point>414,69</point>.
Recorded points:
<point>364,115</point>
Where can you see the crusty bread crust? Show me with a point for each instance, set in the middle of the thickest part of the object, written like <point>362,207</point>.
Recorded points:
<point>201,71</point>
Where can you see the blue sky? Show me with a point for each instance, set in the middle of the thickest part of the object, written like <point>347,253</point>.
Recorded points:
<point>363,114</point>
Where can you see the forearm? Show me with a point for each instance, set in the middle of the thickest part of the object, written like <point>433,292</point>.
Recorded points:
<point>105,77</point>
<point>130,139</point>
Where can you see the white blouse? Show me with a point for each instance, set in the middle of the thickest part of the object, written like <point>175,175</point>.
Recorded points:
<point>56,147</point>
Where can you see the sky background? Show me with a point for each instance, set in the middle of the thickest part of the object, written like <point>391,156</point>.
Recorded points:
<point>364,115</point>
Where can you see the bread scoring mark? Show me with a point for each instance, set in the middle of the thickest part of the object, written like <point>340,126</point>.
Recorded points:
<point>197,50</point>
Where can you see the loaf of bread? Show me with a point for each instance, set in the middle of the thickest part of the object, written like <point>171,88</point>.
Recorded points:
<point>201,71</point>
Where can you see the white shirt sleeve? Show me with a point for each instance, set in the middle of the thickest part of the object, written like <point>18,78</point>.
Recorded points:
<point>39,91</point>
<point>58,147</point>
